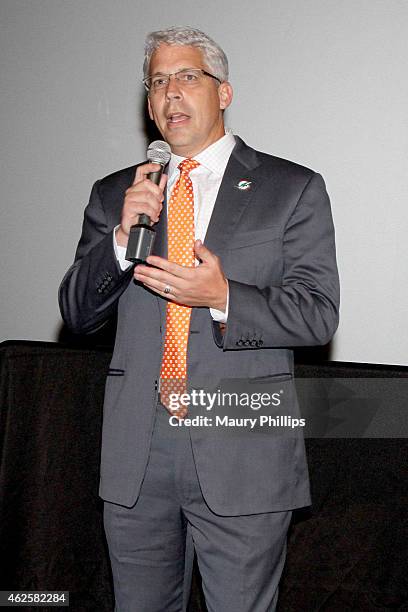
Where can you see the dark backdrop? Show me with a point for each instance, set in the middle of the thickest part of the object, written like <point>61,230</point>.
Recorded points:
<point>347,552</point>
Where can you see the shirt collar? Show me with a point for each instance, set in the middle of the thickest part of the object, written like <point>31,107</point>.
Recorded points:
<point>214,158</point>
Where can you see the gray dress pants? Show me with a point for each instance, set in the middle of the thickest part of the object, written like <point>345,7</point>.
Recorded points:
<point>240,557</point>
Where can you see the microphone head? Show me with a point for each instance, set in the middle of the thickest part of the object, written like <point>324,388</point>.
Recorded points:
<point>159,152</point>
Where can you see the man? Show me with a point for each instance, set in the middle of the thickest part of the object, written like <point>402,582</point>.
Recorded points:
<point>257,235</point>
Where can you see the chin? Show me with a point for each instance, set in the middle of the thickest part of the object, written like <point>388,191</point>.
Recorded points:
<point>178,146</point>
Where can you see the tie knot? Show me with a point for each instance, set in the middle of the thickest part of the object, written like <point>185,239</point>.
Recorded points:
<point>187,165</point>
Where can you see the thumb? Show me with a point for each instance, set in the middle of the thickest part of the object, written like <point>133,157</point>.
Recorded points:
<point>163,181</point>
<point>202,252</point>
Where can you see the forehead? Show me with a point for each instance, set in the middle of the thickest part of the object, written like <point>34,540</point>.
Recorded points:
<point>168,58</point>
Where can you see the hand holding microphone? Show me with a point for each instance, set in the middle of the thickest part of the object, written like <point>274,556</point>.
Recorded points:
<point>142,197</point>
<point>143,203</point>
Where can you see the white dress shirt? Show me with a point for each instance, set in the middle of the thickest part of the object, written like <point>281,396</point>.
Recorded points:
<point>206,181</point>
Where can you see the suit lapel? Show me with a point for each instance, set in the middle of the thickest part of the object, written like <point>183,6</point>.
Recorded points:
<point>238,185</point>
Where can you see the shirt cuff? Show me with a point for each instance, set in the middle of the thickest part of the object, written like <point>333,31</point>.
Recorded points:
<point>219,315</point>
<point>120,252</point>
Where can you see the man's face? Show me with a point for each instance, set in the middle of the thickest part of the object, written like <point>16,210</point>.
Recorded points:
<point>189,118</point>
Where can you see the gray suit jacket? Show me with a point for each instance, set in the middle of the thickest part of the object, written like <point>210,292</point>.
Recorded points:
<point>276,244</point>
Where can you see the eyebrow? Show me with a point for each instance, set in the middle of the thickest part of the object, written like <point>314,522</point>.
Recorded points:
<point>178,70</point>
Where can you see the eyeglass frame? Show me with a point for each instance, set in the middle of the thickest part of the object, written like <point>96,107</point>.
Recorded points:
<point>204,72</point>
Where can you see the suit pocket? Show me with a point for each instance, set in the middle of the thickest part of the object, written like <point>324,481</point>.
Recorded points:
<point>116,372</point>
<point>115,381</point>
<point>253,237</point>
<point>254,257</point>
<point>271,378</point>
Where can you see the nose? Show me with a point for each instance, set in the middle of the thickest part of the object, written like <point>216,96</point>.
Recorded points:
<point>173,90</point>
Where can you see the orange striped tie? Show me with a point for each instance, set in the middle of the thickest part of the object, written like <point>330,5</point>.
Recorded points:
<point>180,231</point>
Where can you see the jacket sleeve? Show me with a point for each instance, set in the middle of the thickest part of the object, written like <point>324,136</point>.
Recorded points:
<point>303,309</point>
<point>90,289</point>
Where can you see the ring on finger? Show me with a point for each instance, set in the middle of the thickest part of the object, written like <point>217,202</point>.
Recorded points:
<point>167,289</point>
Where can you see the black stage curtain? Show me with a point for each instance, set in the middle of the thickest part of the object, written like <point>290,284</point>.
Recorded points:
<point>347,552</point>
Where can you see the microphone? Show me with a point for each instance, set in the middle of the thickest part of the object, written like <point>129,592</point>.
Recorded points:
<point>142,235</point>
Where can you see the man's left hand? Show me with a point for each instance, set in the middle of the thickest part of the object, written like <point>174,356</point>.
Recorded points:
<point>204,285</point>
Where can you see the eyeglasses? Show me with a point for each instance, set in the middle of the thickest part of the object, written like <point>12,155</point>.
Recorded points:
<point>188,77</point>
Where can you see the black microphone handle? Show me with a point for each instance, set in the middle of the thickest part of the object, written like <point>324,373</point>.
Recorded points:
<point>156,176</point>
<point>143,220</point>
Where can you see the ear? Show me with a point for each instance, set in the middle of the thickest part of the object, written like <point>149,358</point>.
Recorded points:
<point>149,107</point>
<point>225,94</point>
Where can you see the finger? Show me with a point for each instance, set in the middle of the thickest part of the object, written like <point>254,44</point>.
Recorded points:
<point>147,280</point>
<point>158,278</point>
<point>135,201</point>
<point>149,285</point>
<point>146,187</point>
<point>202,253</point>
<point>159,288</point>
<point>143,170</point>
<point>183,272</point>
<point>142,202</point>
<point>159,284</point>
<point>134,209</point>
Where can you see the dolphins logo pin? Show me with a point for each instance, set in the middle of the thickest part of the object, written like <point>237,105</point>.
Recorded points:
<point>244,185</point>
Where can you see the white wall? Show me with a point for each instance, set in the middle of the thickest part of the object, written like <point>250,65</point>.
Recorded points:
<point>322,82</point>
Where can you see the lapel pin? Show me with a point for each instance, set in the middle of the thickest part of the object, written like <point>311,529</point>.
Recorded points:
<point>244,185</point>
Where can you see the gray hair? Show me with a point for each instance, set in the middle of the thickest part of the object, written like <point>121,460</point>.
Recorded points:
<point>214,57</point>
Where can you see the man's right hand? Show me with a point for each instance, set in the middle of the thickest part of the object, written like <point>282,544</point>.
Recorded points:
<point>142,197</point>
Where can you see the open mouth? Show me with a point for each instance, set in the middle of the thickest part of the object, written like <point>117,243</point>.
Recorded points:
<point>177,118</point>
